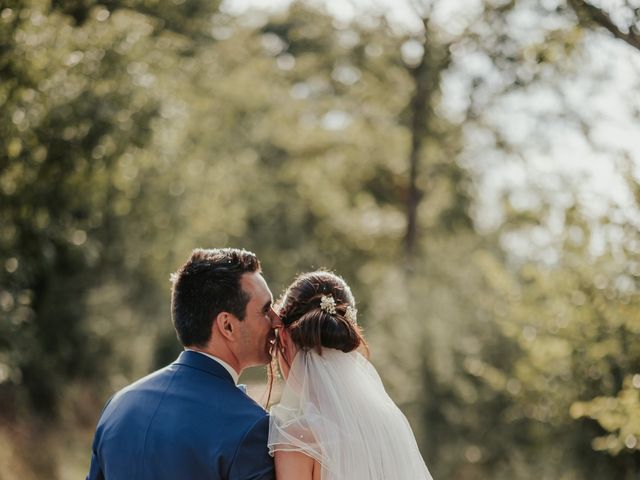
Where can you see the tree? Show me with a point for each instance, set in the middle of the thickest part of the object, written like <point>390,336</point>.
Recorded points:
<point>77,113</point>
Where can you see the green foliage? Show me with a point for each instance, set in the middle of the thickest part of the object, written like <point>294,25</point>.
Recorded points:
<point>617,415</point>
<point>71,114</point>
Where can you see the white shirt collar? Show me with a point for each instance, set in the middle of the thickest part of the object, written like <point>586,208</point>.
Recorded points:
<point>226,366</point>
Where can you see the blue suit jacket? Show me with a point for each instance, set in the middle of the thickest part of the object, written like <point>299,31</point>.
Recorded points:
<point>186,421</point>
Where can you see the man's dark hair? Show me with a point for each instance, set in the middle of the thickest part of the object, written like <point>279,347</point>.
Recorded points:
<point>209,283</point>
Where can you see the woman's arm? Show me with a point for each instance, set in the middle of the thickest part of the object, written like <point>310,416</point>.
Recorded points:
<point>293,466</point>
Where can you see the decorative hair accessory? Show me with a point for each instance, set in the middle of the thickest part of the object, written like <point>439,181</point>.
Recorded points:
<point>328,304</point>
<point>351,315</point>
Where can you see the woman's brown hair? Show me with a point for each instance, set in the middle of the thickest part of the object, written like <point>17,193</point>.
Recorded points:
<point>313,327</point>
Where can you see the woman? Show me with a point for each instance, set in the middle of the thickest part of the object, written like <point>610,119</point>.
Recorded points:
<point>335,421</point>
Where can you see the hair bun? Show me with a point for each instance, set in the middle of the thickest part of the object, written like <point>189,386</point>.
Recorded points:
<point>318,310</point>
<point>317,329</point>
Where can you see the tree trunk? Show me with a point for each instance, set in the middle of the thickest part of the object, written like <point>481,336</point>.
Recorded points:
<point>420,112</point>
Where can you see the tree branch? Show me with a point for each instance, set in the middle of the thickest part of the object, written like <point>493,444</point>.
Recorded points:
<point>588,13</point>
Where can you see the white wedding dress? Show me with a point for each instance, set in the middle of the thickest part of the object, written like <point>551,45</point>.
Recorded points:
<point>334,408</point>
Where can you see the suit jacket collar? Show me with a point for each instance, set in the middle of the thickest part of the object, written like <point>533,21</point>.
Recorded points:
<point>202,362</point>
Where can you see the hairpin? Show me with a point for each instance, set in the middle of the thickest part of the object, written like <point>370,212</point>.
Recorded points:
<point>328,304</point>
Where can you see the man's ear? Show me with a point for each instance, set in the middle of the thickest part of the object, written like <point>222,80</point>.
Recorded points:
<point>224,323</point>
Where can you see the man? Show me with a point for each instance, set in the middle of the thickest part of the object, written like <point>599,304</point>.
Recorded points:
<point>190,420</point>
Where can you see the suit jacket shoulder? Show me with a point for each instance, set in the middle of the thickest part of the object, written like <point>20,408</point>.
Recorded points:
<point>188,420</point>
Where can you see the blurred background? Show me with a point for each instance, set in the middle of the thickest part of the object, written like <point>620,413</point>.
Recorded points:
<point>470,167</point>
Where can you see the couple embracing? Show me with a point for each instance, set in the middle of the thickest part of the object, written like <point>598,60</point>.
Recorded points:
<point>190,420</point>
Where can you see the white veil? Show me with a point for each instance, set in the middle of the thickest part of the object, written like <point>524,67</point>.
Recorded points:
<point>335,409</point>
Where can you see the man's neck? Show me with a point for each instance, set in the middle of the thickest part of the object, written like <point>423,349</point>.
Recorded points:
<point>233,371</point>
